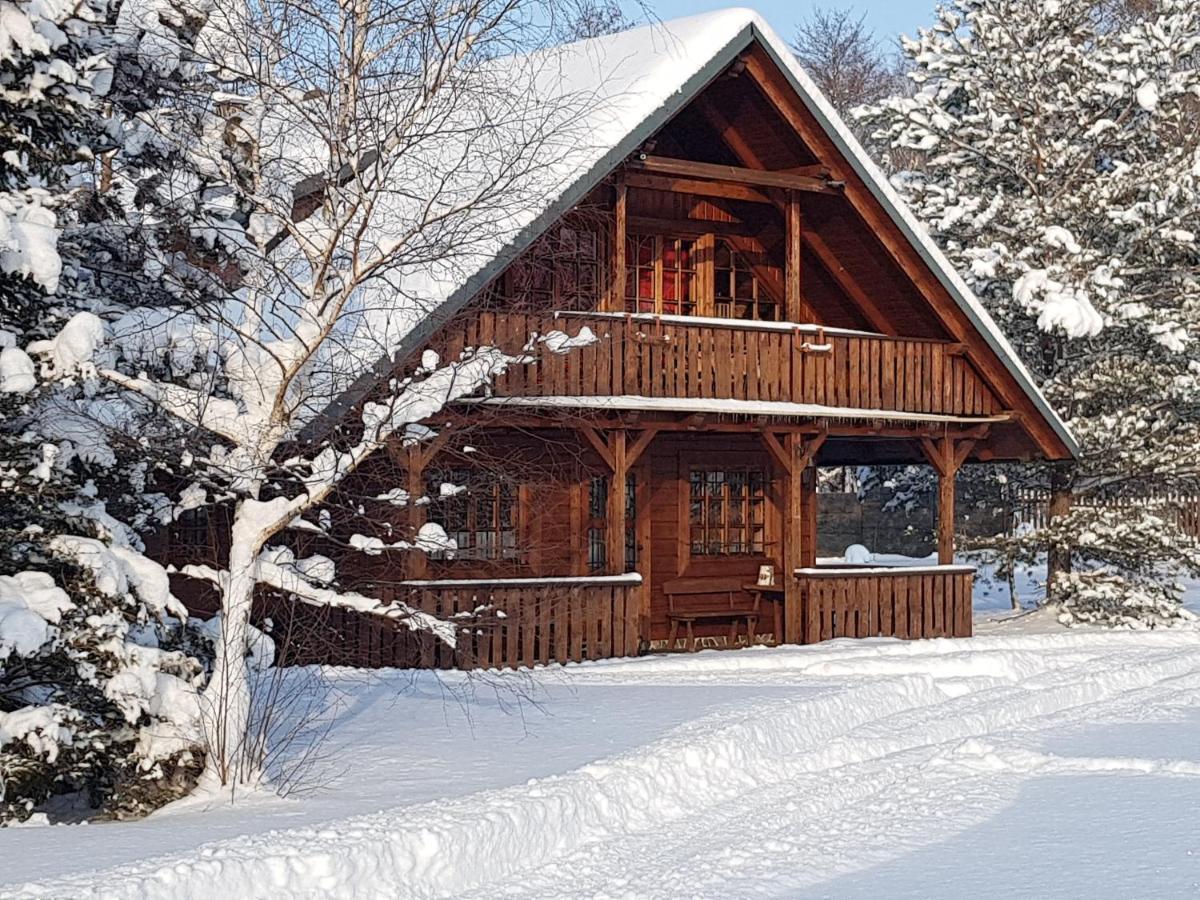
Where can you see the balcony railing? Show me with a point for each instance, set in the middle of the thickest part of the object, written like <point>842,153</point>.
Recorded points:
<point>698,358</point>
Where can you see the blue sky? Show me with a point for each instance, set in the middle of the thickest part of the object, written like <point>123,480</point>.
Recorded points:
<point>888,18</point>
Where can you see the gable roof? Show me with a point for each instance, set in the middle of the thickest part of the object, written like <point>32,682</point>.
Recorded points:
<point>639,80</point>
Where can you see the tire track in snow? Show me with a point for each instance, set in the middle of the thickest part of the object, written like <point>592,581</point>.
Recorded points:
<point>896,787</point>
<point>786,774</point>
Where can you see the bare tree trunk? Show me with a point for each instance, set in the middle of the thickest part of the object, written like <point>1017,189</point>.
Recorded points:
<point>227,697</point>
<point>1058,556</point>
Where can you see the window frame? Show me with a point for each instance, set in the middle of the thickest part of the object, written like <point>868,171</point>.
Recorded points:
<point>754,498</point>
<point>503,495</point>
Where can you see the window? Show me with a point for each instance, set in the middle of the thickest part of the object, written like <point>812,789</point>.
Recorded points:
<point>660,275</point>
<point>560,271</point>
<point>738,293</point>
<point>597,523</point>
<point>727,512</point>
<point>479,512</point>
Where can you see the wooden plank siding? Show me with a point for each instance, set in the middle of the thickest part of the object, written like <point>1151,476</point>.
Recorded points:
<point>909,604</point>
<point>657,358</point>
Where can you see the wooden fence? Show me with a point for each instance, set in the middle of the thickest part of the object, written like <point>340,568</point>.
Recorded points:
<point>668,356</point>
<point>503,623</point>
<point>924,602</point>
<point>1031,508</point>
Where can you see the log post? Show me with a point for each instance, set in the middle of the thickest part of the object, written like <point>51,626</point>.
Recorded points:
<point>614,299</point>
<point>946,455</point>
<point>615,538</point>
<point>793,285</point>
<point>417,512</point>
<point>1058,556</point>
<point>800,532</point>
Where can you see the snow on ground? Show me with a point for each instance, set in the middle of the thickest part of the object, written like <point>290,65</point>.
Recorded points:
<point>1052,764</point>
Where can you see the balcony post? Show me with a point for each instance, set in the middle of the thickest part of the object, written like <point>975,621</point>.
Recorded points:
<point>793,284</point>
<point>614,298</point>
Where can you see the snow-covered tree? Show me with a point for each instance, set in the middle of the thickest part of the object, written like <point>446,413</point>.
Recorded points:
<point>288,192</point>
<point>94,698</point>
<point>1060,173</point>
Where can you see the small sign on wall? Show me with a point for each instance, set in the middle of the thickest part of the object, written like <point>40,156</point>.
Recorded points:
<point>766,575</point>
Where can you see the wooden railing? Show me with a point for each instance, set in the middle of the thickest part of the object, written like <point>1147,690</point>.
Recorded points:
<point>503,623</point>
<point>672,356</point>
<point>516,622</point>
<point>926,602</point>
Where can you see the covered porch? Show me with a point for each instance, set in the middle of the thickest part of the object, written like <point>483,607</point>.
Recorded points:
<point>684,510</point>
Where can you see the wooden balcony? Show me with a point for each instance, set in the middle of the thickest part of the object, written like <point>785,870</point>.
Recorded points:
<point>699,358</point>
<point>847,601</point>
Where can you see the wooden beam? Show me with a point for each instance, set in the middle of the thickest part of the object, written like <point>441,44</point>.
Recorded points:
<point>615,537</point>
<point>777,451</point>
<point>847,282</point>
<point>634,452</point>
<point>686,168</point>
<point>794,297</point>
<point>644,181</point>
<point>696,227</point>
<point>599,445</point>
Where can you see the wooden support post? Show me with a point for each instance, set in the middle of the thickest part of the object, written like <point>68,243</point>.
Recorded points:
<point>615,301</point>
<point>417,512</point>
<point>946,455</point>
<point>615,538</point>
<point>800,519</point>
<point>793,289</point>
<point>1058,558</point>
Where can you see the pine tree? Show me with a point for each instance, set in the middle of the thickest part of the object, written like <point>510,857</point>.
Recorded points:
<point>1060,166</point>
<point>97,694</point>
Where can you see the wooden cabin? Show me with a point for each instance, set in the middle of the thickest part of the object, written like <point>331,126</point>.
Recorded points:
<point>749,301</point>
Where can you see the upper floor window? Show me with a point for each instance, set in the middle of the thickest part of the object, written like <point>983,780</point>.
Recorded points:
<point>661,275</point>
<point>727,512</point>
<point>691,276</point>
<point>560,271</point>
<point>737,292</point>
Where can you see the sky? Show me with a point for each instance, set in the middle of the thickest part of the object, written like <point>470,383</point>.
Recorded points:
<point>888,18</point>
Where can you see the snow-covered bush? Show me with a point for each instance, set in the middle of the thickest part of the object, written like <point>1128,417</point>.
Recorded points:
<point>95,696</point>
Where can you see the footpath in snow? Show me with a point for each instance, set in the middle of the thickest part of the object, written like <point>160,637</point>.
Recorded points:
<point>803,771</point>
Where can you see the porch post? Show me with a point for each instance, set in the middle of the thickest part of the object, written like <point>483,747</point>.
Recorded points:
<point>800,537</point>
<point>946,455</point>
<point>417,512</point>
<point>615,538</point>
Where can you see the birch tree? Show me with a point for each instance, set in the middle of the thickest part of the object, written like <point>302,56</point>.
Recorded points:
<point>295,189</point>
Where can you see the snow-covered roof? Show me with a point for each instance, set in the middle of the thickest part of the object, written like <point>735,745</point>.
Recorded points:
<point>637,81</point>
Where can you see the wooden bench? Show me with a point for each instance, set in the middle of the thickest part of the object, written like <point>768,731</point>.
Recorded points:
<point>691,600</point>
